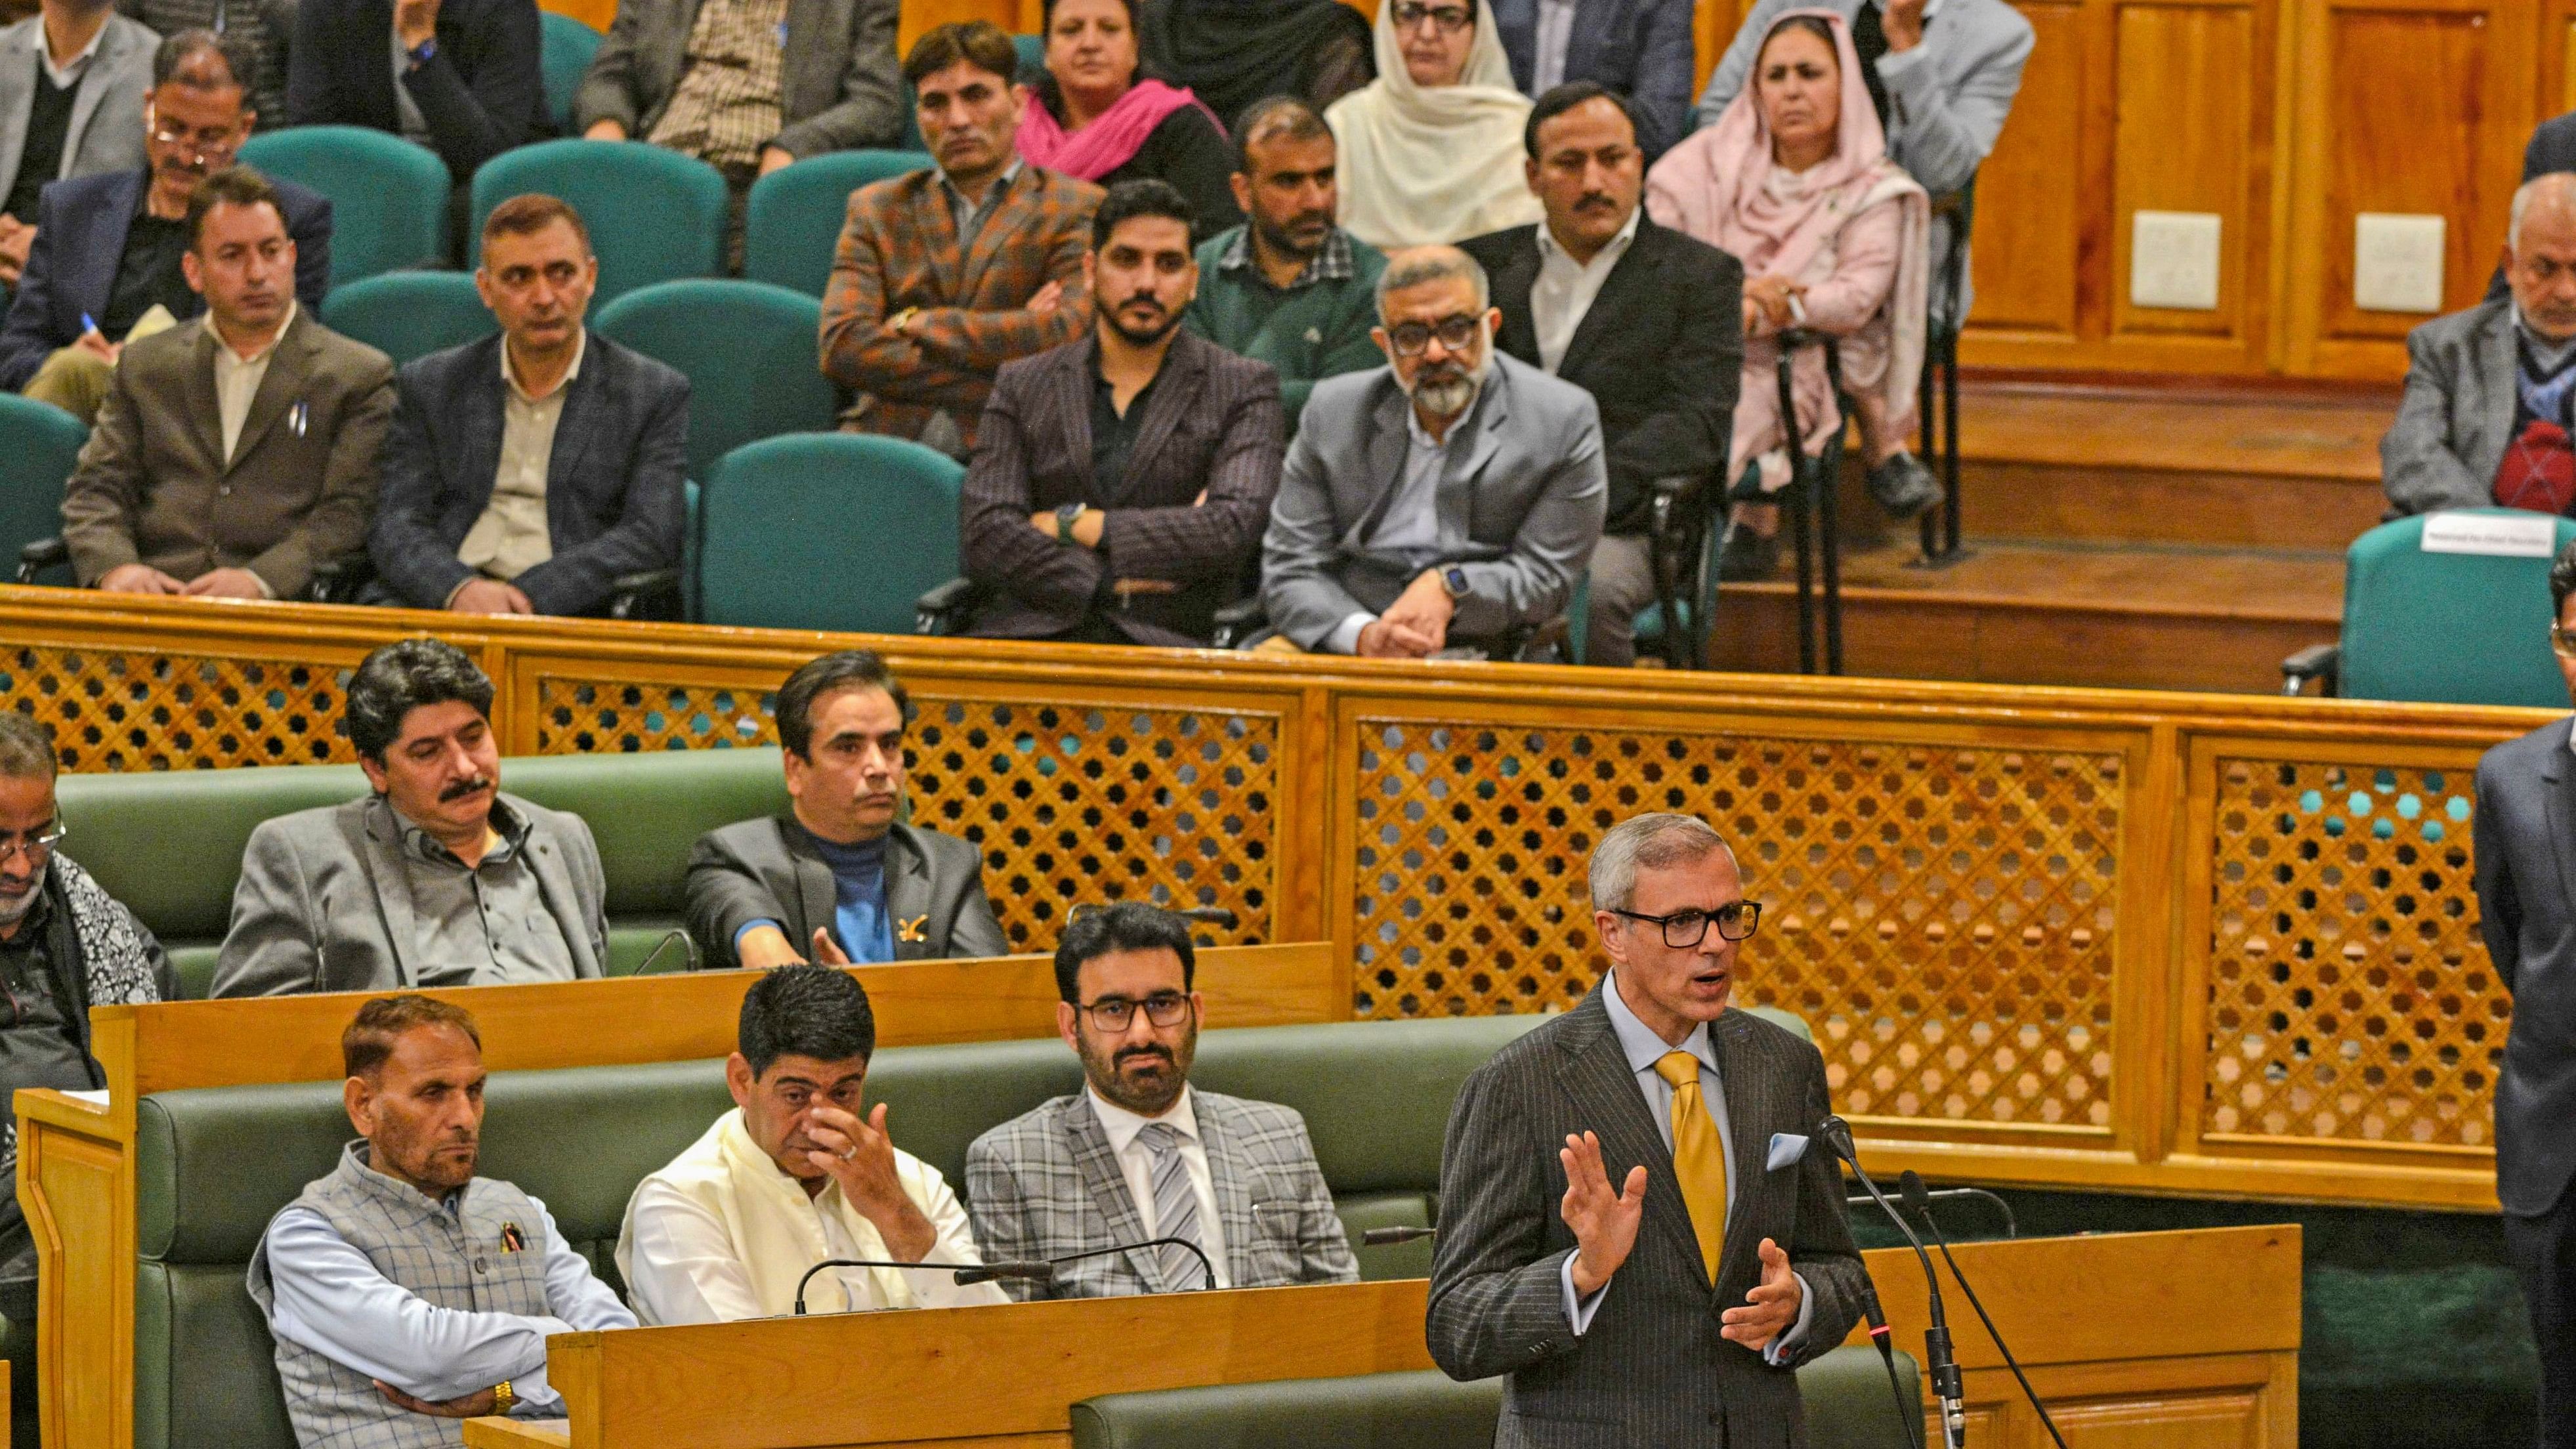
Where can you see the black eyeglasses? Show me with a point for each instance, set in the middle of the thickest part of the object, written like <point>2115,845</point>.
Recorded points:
<point>37,846</point>
<point>1163,1008</point>
<point>2564,642</point>
<point>1689,928</point>
<point>1455,333</point>
<point>1450,18</point>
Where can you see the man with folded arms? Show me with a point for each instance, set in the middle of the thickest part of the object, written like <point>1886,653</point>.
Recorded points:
<point>796,1174</point>
<point>403,1291</point>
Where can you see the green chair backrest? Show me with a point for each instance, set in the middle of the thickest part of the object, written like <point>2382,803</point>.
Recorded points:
<point>39,443</point>
<point>409,315</point>
<point>388,196</point>
<point>565,48</point>
<point>2451,628</point>
<point>748,349</point>
<point>654,214</point>
<point>826,531</point>
<point>1032,49</point>
<point>792,220</point>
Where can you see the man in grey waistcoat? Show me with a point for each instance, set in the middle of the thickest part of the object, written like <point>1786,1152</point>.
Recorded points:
<point>345,1271</point>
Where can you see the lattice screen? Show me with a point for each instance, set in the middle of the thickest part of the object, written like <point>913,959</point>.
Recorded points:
<point>114,709</point>
<point>1069,803</point>
<point>1940,916</point>
<point>2349,995</point>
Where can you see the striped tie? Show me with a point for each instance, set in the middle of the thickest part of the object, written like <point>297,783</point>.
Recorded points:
<point>1176,1207</point>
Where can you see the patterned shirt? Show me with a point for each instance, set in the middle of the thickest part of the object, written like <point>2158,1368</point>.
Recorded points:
<point>1331,263</point>
<point>731,97</point>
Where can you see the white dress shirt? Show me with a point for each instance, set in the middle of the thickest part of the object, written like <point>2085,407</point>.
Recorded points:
<point>1554,36</point>
<point>1565,290</point>
<point>1411,523</point>
<point>68,74</point>
<point>237,378</point>
<point>512,536</point>
<point>1136,1164</point>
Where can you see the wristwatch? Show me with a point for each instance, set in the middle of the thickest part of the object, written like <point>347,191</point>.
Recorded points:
<point>1066,516</point>
<point>504,1398</point>
<point>1453,579</point>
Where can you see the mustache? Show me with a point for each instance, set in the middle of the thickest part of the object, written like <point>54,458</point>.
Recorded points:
<point>1121,1057</point>
<point>1595,201</point>
<point>1144,299</point>
<point>459,789</point>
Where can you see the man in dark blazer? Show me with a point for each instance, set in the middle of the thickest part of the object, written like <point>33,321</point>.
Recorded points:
<point>840,878</point>
<point>462,77</point>
<point>1725,1231</point>
<point>1121,483</point>
<point>107,247</point>
<point>2525,847</point>
<point>1645,319</point>
<point>527,471</point>
<point>837,85</point>
<point>1642,49</point>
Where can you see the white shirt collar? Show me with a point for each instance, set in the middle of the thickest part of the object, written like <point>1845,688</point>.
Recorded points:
<point>510,372</point>
<point>69,71</point>
<point>224,350</point>
<point>1122,1125</point>
<point>1643,1047</point>
<point>1610,250</point>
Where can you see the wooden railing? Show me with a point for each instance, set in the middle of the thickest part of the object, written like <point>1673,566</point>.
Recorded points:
<point>2127,940</point>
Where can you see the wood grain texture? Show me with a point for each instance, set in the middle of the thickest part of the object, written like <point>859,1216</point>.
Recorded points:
<point>2190,84</point>
<point>2033,230</point>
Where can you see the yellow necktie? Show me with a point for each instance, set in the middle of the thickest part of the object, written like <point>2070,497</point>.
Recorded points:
<point>1699,1159</point>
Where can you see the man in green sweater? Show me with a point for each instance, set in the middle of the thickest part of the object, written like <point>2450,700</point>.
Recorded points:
<point>1289,287</point>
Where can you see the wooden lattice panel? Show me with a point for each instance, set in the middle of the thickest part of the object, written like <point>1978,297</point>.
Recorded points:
<point>1941,916</point>
<point>2349,994</point>
<point>1069,803</point>
<point>117,709</point>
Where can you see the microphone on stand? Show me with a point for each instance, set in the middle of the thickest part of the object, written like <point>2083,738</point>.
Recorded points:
<point>1389,1237</point>
<point>660,946</point>
<point>1944,1369</point>
<point>966,1274</point>
<point>1910,1187</point>
<point>1205,1267</point>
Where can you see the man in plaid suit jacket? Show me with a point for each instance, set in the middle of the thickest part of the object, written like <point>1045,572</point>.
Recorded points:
<point>1140,1154</point>
<point>944,275</point>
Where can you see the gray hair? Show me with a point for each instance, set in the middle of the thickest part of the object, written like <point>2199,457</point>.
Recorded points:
<point>2558,186</point>
<point>1647,842</point>
<point>181,58</point>
<point>1417,265</point>
<point>26,748</point>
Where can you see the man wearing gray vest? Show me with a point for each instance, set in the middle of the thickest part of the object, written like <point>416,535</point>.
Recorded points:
<point>405,1293</point>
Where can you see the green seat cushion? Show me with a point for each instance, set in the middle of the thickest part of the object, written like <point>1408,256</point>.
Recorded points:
<point>205,1368</point>
<point>1424,1410</point>
<point>645,810</point>
<point>1361,1211</point>
<point>1850,1404</point>
<point>169,845</point>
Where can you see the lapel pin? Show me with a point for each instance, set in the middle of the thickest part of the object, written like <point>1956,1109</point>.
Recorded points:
<point>295,418</point>
<point>914,931</point>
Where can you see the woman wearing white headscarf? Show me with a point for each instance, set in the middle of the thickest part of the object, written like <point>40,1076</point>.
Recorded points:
<point>1431,149</point>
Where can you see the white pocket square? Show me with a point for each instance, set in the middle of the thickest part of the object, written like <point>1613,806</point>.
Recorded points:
<point>1787,1148</point>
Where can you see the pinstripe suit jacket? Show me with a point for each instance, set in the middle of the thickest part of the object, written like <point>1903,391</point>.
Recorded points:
<point>899,249</point>
<point>1045,1184</point>
<point>1211,425</point>
<point>1651,1369</point>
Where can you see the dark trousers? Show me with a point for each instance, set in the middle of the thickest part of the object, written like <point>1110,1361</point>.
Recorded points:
<point>2543,1250</point>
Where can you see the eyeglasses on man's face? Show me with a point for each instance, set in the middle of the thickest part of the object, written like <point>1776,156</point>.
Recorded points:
<point>1457,334</point>
<point>1684,929</point>
<point>2563,641</point>
<point>1112,1014</point>
<point>36,845</point>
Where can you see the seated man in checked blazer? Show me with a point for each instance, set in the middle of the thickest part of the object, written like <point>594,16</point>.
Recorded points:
<point>1139,1153</point>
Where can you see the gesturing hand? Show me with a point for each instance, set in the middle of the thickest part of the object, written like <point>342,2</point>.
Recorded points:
<point>473,1406</point>
<point>860,1157</point>
<point>1604,1222</point>
<point>1769,1309</point>
<point>828,952</point>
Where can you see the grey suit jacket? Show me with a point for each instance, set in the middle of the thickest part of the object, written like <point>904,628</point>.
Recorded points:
<point>2452,425</point>
<point>1651,1369</point>
<point>152,485</point>
<point>1525,483</point>
<point>768,870</point>
<point>1045,1184</point>
<point>842,88</point>
<point>107,115</point>
<point>324,903</point>
<point>2525,844</point>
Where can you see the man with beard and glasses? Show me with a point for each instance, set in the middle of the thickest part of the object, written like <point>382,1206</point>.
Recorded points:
<point>403,1291</point>
<point>1140,1153</point>
<point>1440,504</point>
<point>435,879</point>
<point>1289,287</point>
<point>65,946</point>
<point>1121,482</point>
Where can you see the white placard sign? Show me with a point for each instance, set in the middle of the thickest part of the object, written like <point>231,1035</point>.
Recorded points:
<point>2501,535</point>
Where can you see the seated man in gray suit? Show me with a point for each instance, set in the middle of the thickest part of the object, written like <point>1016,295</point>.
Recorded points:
<point>2486,416</point>
<point>435,879</point>
<point>527,471</point>
<point>839,876</point>
<point>72,79</point>
<point>1140,1153</point>
<point>1441,502</point>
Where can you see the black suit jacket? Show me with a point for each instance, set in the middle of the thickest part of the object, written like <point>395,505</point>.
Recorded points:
<point>1661,351</point>
<point>768,869</point>
<point>613,483</point>
<point>2525,845</point>
<point>481,94</point>
<point>1651,1369</point>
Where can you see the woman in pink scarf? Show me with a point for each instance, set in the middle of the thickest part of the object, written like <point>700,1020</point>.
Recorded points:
<point>1093,115</point>
<point>1794,181</point>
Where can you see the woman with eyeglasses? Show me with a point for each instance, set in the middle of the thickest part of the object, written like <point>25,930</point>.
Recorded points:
<point>1431,150</point>
<point>1095,114</point>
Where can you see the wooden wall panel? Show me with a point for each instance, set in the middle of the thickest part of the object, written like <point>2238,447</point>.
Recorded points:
<point>2031,225</point>
<point>2190,148</point>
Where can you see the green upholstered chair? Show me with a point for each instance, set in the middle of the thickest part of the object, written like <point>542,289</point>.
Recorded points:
<point>826,531</point>
<point>39,443</point>
<point>792,220</point>
<point>409,315</point>
<point>2447,628</point>
<point>565,48</point>
<point>748,350</point>
<point>1032,49</point>
<point>388,196</point>
<point>654,215</point>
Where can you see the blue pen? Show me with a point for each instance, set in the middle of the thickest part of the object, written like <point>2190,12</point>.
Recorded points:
<point>87,326</point>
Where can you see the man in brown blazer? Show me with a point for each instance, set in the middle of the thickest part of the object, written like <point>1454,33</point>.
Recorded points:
<point>237,453</point>
<point>944,275</point>
<point>1121,483</point>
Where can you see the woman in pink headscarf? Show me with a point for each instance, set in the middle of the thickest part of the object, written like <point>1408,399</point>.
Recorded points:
<point>1794,181</point>
<point>1096,115</point>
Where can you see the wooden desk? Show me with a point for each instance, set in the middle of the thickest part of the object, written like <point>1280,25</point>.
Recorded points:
<point>2136,1338</point>
<point>76,1170</point>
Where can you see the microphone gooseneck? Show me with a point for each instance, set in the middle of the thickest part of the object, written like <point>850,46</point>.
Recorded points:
<point>1388,1237</point>
<point>1910,1187</point>
<point>1205,1267</point>
<point>965,1274</point>
<point>1946,1384</point>
<point>668,937</point>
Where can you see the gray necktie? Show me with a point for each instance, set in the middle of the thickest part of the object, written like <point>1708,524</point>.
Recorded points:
<point>1176,1207</point>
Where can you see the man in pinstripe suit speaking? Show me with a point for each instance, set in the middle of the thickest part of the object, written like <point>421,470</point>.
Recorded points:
<point>1667,1310</point>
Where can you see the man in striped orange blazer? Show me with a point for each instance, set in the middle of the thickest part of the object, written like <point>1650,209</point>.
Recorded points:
<point>945,274</point>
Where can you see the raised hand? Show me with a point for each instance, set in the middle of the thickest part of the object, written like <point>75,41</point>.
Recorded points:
<point>860,1157</point>
<point>1604,1222</point>
<point>1769,1309</point>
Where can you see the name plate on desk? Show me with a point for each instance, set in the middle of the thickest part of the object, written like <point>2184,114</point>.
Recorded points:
<point>2520,535</point>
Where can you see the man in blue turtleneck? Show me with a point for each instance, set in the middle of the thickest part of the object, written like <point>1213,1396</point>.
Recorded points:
<point>840,881</point>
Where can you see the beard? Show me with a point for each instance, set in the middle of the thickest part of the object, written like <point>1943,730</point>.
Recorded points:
<point>1165,319</point>
<point>14,909</point>
<point>1150,1095</point>
<point>1446,389</point>
<point>1283,239</point>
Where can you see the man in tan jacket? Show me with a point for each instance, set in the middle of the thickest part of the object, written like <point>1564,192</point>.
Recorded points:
<point>236,455</point>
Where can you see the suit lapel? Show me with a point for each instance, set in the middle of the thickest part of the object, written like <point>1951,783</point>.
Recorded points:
<point>907,887</point>
<point>1231,1176</point>
<point>18,70</point>
<point>289,368</point>
<point>386,873</point>
<point>1019,195</point>
<point>582,401</point>
<point>1748,1107</point>
<point>936,226</point>
<point>85,101</point>
<point>1512,287</point>
<point>1390,440</point>
<point>104,230</point>
<point>1107,1184</point>
<point>816,896</point>
<point>483,413</point>
<point>2560,783</point>
<point>1633,270</point>
<point>554,886</point>
<point>2499,357</point>
<point>1610,1104</point>
<point>205,414</point>
<point>1068,391</point>
<point>1176,391</point>
<point>1485,420</point>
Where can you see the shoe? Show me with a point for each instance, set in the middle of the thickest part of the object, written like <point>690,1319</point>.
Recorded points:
<point>1748,556</point>
<point>1904,487</point>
